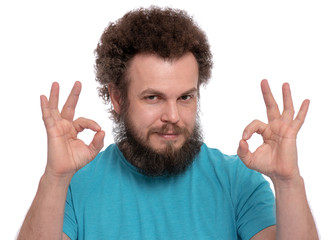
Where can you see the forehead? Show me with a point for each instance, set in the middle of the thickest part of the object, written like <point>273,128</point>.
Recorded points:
<point>151,71</point>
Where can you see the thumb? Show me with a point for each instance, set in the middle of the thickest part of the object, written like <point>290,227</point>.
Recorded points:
<point>97,143</point>
<point>243,152</point>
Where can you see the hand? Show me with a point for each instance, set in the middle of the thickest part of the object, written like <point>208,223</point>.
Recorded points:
<point>66,153</point>
<point>277,156</point>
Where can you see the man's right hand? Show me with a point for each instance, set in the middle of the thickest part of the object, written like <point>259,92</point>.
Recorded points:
<point>66,153</point>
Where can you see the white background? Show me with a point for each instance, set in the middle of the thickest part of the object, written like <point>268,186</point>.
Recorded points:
<point>283,41</point>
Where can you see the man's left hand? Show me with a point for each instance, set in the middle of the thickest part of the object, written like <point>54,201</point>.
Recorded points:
<point>277,156</point>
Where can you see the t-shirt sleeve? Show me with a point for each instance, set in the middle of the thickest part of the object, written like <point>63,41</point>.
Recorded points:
<point>254,203</point>
<point>70,222</point>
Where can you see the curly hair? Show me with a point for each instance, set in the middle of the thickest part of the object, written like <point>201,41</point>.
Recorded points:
<point>168,33</point>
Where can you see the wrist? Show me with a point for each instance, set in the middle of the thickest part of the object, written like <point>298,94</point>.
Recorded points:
<point>287,183</point>
<point>52,179</point>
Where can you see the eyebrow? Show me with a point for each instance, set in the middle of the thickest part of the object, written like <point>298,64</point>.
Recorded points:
<point>151,91</point>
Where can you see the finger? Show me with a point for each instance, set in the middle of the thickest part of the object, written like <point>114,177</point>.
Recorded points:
<point>255,126</point>
<point>301,116</point>
<point>244,153</point>
<point>271,105</point>
<point>83,123</point>
<point>54,96</point>
<point>288,112</point>
<point>44,105</point>
<point>68,110</point>
<point>46,115</point>
<point>97,142</point>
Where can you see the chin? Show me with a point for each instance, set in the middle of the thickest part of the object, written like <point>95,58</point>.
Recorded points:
<point>166,145</point>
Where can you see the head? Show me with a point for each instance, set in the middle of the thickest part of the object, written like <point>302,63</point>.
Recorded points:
<point>150,64</point>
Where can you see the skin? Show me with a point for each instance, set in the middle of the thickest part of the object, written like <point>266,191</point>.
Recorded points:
<point>161,94</point>
<point>155,100</point>
<point>66,155</point>
<point>277,158</point>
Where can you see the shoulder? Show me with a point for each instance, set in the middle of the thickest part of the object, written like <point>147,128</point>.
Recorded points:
<point>217,159</point>
<point>229,169</point>
<point>97,166</point>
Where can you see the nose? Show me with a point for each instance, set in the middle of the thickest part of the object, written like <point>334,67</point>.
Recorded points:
<point>170,113</point>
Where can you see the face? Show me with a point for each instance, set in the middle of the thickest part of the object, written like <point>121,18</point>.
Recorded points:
<point>163,98</point>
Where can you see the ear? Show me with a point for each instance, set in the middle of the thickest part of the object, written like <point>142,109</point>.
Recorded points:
<point>115,97</point>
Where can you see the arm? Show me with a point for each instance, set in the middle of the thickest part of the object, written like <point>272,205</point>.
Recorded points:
<point>66,155</point>
<point>277,158</point>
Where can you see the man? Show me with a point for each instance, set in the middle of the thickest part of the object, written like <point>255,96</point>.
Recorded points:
<point>160,181</point>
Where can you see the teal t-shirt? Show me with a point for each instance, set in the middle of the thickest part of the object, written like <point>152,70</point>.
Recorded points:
<point>217,197</point>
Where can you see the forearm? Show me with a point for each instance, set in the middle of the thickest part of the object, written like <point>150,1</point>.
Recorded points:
<point>44,219</point>
<point>294,218</point>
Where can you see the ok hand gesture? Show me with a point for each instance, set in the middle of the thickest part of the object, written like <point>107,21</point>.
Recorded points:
<point>67,153</point>
<point>277,156</point>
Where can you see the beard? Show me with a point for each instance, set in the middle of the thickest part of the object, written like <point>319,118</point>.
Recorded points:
<point>167,161</point>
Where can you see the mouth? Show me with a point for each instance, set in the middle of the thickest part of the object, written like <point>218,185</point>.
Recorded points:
<point>167,133</point>
<point>168,136</point>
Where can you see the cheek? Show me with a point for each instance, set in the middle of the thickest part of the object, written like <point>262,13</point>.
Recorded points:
<point>188,117</point>
<point>143,118</point>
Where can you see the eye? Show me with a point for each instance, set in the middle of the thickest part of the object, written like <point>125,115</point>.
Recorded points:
<point>152,98</point>
<point>186,97</point>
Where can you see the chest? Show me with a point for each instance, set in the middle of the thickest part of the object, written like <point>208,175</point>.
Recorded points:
<point>190,208</point>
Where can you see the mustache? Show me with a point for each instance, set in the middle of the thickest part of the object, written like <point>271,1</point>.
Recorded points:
<point>168,128</point>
